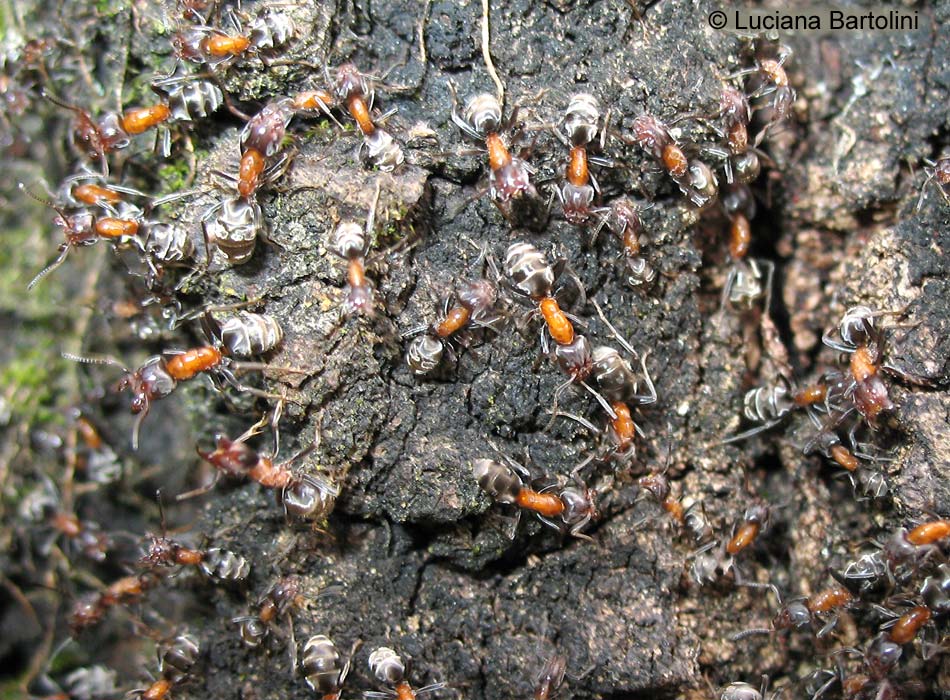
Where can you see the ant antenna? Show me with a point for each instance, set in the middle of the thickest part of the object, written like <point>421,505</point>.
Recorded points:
<point>95,360</point>
<point>60,259</point>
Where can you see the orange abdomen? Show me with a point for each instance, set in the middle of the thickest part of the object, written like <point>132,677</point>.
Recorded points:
<point>740,237</point>
<point>577,173</point>
<point>158,690</point>
<point>192,362</point>
<point>87,431</point>
<point>454,321</point>
<point>623,425</point>
<point>558,324</point>
<point>828,599</point>
<point>359,110</point>
<point>907,626</point>
<point>674,508</point>
<point>498,156</point>
<point>674,160</point>
<point>631,241</point>
<point>221,45</point>
<point>188,557</point>
<point>140,119</point>
<point>844,458</point>
<point>355,273</point>
<point>249,172</point>
<point>111,227</point>
<point>405,692</point>
<point>928,533</point>
<point>744,537</point>
<point>546,504</point>
<point>312,99</point>
<point>268,475</point>
<point>68,524</point>
<point>862,364</point>
<point>810,395</point>
<point>94,194</point>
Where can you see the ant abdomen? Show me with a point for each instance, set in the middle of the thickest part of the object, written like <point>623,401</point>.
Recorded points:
<point>497,480</point>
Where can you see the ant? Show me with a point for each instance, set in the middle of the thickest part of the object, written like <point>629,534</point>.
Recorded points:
<point>203,44</point>
<point>580,124</point>
<point>388,668</point>
<point>617,381</point>
<point>574,505</point>
<point>550,677</point>
<point>533,278</point>
<point>159,375</point>
<point>188,97</point>
<point>510,177</point>
<point>174,666</point>
<point>83,229</point>
<point>219,565</point>
<point>939,173</point>
<point>353,90</point>
<point>233,225</point>
<point>113,131</point>
<point>283,595</point>
<point>622,217</point>
<point>262,138</point>
<point>247,333</point>
<point>321,666</point>
<point>90,609</point>
<point>799,612</point>
<point>305,496</point>
<point>771,72</point>
<point>474,307</point>
<point>350,241</point>
<point>694,178</point>
<point>863,340</point>
<point>749,279</point>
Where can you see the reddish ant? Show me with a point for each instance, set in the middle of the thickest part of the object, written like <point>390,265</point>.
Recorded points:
<point>174,666</point>
<point>749,279</point>
<point>159,375</point>
<point>532,277</point>
<point>219,565</point>
<point>262,139</point>
<point>774,79</point>
<point>90,609</point>
<point>694,178</point>
<point>388,668</point>
<point>305,496</point>
<point>574,505</point>
<point>350,242</point>
<point>321,666</point>
<point>510,177</point>
<point>622,217</point>
<point>800,612</point>
<point>353,90</point>
<point>474,307</point>
<point>580,125</point>
<point>84,229</point>
<point>213,47</point>
<point>283,595</point>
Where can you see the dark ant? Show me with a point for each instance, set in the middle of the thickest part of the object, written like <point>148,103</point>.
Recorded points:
<point>532,277</point>
<point>510,177</point>
<point>550,677</point>
<point>321,666</point>
<point>658,486</point>
<point>247,334</point>
<point>388,668</point>
<point>350,241</point>
<point>775,83</point>
<point>188,96</point>
<point>622,217</point>
<point>574,505</point>
<point>353,90</point>
<point>174,666</point>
